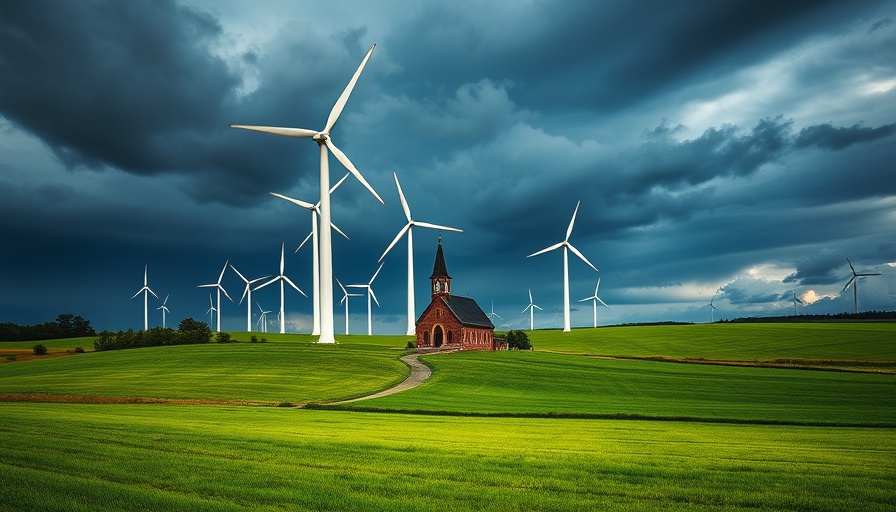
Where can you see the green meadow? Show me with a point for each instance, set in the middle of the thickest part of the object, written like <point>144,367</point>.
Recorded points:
<point>595,419</point>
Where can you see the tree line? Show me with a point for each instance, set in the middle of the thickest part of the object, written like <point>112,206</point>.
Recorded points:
<point>65,326</point>
<point>188,332</point>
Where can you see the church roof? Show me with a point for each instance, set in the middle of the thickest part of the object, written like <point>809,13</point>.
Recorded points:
<point>439,269</point>
<point>468,312</point>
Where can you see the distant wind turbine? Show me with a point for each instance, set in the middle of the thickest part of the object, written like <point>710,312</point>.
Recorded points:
<point>370,294</point>
<point>263,318</point>
<point>594,300</point>
<point>712,307</point>
<point>854,281</point>
<point>408,228</point>
<point>566,245</point>
<point>325,143</point>
<point>315,257</point>
<point>247,294</point>
<point>211,310</point>
<point>220,289</point>
<point>491,316</point>
<point>164,309</point>
<point>796,300</point>
<point>531,309</point>
<point>345,296</point>
<point>282,278</point>
<point>145,291</point>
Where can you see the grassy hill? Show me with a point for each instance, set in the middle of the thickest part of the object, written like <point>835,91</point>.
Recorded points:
<point>800,439</point>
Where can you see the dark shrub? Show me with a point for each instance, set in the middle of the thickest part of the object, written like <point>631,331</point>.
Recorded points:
<point>518,340</point>
<point>79,350</point>
<point>411,344</point>
<point>253,339</point>
<point>40,350</point>
<point>223,337</point>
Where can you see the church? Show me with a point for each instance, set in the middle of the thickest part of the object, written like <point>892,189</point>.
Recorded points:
<point>451,321</point>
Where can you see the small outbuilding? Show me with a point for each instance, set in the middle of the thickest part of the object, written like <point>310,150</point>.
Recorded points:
<point>451,321</point>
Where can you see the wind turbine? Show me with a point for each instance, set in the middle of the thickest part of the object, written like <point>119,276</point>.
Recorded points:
<point>211,310</point>
<point>796,300</point>
<point>247,294</point>
<point>854,281</point>
<point>370,294</point>
<point>712,307</point>
<point>282,278</point>
<point>491,316</point>
<point>595,299</point>
<point>263,319</point>
<point>566,245</point>
<point>345,296</point>
<point>315,258</point>
<point>164,309</point>
<point>145,291</point>
<point>220,289</point>
<point>325,143</point>
<point>408,228</point>
<point>531,309</point>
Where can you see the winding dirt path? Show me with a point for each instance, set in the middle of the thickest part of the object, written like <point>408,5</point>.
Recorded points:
<point>419,373</point>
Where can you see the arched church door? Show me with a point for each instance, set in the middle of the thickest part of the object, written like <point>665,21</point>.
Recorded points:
<point>437,336</point>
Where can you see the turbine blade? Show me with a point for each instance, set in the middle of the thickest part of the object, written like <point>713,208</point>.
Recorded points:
<point>238,273</point>
<point>602,302</point>
<point>277,130</point>
<point>267,283</point>
<point>340,285</point>
<point>225,293</point>
<point>222,272</point>
<point>572,221</point>
<point>138,293</point>
<point>534,306</point>
<point>152,292</point>
<point>303,204</point>
<point>851,279</point>
<point>868,274</point>
<point>395,240</point>
<point>343,98</point>
<point>404,202</point>
<point>293,285</point>
<point>376,274</point>
<point>334,187</point>
<point>245,292</point>
<point>303,242</point>
<point>339,231</point>
<point>351,167</point>
<point>436,226</point>
<point>530,296</point>
<point>577,253</point>
<point>546,249</point>
<point>850,265</point>
<point>282,247</point>
<point>373,295</point>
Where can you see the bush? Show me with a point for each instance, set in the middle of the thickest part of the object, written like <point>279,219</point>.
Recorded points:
<point>79,350</point>
<point>253,339</point>
<point>222,337</point>
<point>518,340</point>
<point>40,350</point>
<point>411,344</point>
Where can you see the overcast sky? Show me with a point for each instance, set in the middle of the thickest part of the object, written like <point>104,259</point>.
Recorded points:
<point>744,147</point>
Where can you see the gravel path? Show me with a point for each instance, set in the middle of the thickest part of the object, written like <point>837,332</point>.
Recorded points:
<point>419,373</point>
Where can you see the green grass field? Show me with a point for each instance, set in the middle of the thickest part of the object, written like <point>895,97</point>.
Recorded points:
<point>799,439</point>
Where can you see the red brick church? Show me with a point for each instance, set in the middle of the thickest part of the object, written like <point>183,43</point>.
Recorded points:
<point>451,321</point>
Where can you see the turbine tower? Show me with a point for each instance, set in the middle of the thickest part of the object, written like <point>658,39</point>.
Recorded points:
<point>325,143</point>
<point>220,289</point>
<point>854,281</point>
<point>145,291</point>
<point>595,299</point>
<point>164,309</point>
<point>566,245</point>
<point>247,294</point>
<point>315,258</point>
<point>370,294</point>
<point>345,296</point>
<point>282,278</point>
<point>408,228</point>
<point>531,307</point>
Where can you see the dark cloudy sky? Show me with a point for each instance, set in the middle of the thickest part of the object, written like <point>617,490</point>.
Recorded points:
<point>746,146</point>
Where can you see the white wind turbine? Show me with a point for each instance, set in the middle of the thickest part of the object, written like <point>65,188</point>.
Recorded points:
<point>712,307</point>
<point>325,143</point>
<point>370,294</point>
<point>854,281</point>
<point>595,299</point>
<point>282,278</point>
<point>345,296</point>
<point>263,319</point>
<point>566,245</point>
<point>491,316</point>
<point>164,309</point>
<point>247,294</point>
<point>315,258</point>
<point>211,310</point>
<point>531,307</point>
<point>408,228</point>
<point>220,289</point>
<point>145,291</point>
<point>796,300</point>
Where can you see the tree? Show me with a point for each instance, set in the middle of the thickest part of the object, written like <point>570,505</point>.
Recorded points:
<point>193,331</point>
<point>518,340</point>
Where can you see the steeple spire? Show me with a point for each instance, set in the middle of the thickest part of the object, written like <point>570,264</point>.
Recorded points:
<point>441,281</point>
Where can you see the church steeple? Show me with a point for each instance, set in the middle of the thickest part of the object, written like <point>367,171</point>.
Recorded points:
<point>441,281</point>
